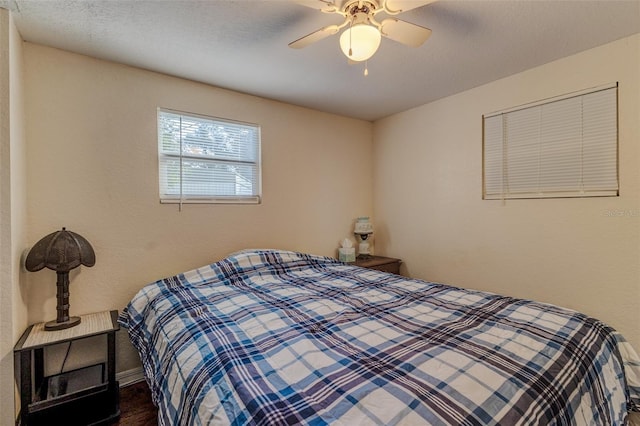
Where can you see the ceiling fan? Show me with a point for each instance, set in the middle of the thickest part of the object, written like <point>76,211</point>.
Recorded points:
<point>362,37</point>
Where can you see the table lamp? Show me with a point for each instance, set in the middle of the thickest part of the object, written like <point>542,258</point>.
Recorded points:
<point>61,251</point>
<point>362,231</point>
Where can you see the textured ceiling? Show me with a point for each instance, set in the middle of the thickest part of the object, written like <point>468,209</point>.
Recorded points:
<point>242,45</point>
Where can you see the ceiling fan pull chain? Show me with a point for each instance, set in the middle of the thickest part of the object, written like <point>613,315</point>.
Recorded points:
<point>366,68</point>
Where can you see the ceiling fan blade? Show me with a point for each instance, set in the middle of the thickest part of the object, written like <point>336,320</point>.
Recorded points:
<point>404,32</point>
<point>314,36</point>
<point>396,6</point>
<point>323,5</point>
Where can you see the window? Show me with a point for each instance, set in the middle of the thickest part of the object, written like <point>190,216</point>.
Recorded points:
<point>564,147</point>
<point>207,160</point>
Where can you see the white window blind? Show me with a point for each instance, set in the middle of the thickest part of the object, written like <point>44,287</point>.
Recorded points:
<point>565,147</point>
<point>207,160</point>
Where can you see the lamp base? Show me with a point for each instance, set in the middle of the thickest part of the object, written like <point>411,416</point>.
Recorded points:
<point>55,325</point>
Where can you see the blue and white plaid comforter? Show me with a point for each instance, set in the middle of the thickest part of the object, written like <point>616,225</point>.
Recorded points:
<point>272,338</point>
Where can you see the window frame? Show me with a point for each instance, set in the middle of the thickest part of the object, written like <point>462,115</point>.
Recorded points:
<point>207,198</point>
<point>503,169</point>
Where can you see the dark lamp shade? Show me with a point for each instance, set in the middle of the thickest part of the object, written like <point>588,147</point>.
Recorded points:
<point>61,251</point>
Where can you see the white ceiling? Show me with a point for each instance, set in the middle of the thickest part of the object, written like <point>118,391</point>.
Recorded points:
<point>242,45</point>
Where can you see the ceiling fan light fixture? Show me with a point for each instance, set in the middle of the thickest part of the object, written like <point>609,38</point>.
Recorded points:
<point>360,42</point>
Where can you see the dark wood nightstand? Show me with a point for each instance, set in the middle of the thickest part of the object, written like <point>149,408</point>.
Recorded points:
<point>380,263</point>
<point>85,396</point>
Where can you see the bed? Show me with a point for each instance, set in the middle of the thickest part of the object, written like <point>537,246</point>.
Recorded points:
<point>269,337</point>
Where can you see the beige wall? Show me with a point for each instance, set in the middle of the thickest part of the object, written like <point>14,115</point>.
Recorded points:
<point>18,183</point>
<point>92,149</point>
<point>579,253</point>
<point>13,310</point>
<point>6,290</point>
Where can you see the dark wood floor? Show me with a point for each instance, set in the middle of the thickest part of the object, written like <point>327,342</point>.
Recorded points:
<point>136,407</point>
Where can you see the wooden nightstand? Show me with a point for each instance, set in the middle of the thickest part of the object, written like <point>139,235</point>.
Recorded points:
<point>85,396</point>
<point>380,263</point>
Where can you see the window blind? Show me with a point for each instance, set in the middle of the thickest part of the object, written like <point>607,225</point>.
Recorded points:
<point>207,160</point>
<point>565,147</point>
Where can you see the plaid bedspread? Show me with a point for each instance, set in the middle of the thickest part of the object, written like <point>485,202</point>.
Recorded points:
<point>280,338</point>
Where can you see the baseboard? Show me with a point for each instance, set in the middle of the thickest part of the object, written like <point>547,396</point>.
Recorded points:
<point>130,377</point>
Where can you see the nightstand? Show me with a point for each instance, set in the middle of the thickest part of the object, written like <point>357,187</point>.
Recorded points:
<point>85,396</point>
<point>380,263</point>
